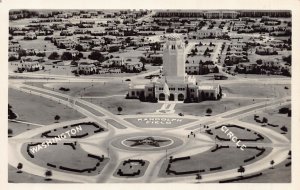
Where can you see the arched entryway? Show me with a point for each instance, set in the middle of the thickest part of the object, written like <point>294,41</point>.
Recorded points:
<point>162,96</point>
<point>180,97</point>
<point>172,97</point>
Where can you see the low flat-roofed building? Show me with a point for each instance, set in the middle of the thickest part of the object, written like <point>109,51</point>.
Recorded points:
<point>32,59</point>
<point>29,66</point>
<point>30,36</point>
<point>206,33</point>
<point>133,67</point>
<point>13,47</point>
<point>87,67</point>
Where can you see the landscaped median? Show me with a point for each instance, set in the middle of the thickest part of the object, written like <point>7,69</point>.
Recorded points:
<point>131,168</point>
<point>86,129</point>
<point>159,122</point>
<point>217,159</point>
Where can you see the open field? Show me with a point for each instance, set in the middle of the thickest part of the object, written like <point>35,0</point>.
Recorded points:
<point>38,44</point>
<point>35,109</point>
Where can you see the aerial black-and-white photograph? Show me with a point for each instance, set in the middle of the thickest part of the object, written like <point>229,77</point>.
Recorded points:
<point>149,96</point>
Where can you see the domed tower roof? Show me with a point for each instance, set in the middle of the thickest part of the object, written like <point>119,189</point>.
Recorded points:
<point>174,39</point>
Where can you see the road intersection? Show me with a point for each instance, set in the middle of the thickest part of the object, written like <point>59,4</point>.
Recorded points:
<point>102,142</point>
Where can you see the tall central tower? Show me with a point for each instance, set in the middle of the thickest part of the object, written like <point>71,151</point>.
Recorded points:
<point>174,58</point>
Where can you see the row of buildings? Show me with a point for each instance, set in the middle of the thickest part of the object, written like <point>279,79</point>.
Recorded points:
<point>223,14</point>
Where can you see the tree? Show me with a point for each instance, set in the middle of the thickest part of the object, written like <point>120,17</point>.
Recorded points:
<point>19,167</point>
<point>120,109</point>
<point>41,54</point>
<point>216,69</point>
<point>287,59</point>
<point>113,49</point>
<point>284,129</point>
<point>208,111</point>
<point>272,164</point>
<point>12,58</point>
<point>10,132</point>
<point>54,55</point>
<point>96,55</point>
<point>66,56</point>
<point>22,53</point>
<point>57,117</point>
<point>143,61</point>
<point>198,177</point>
<point>11,114</point>
<point>259,62</point>
<point>284,110</point>
<point>79,47</point>
<point>48,174</point>
<point>241,170</point>
<point>265,120</point>
<point>186,42</point>
<point>78,56</point>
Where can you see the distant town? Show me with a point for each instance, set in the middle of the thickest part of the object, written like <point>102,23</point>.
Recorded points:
<point>128,41</point>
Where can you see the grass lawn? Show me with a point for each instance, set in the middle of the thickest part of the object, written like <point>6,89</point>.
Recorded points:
<point>260,76</point>
<point>280,174</point>
<point>129,106</point>
<point>86,129</point>
<point>227,158</point>
<point>152,122</point>
<point>273,118</point>
<point>64,155</point>
<point>239,133</point>
<point>24,177</point>
<point>256,91</point>
<point>86,88</point>
<point>19,128</point>
<point>199,109</point>
<point>117,91</point>
<point>36,109</point>
<point>131,168</point>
